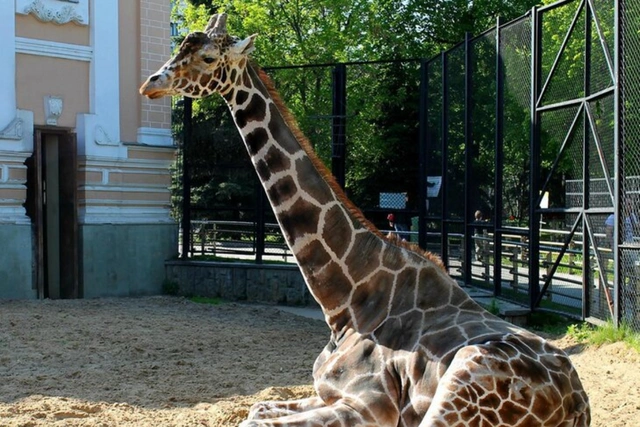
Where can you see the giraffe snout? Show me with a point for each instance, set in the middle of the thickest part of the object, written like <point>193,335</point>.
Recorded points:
<point>155,87</point>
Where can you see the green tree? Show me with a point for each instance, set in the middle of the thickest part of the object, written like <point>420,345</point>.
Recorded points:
<point>382,99</point>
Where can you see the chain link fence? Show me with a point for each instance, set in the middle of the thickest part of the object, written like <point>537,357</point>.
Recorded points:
<point>629,157</point>
<point>517,161</point>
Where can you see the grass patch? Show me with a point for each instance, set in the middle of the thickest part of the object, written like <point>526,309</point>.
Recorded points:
<point>607,333</point>
<point>206,300</point>
<point>494,307</point>
<point>550,323</point>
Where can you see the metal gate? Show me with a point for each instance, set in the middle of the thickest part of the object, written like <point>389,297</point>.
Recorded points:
<point>574,119</point>
<point>531,142</point>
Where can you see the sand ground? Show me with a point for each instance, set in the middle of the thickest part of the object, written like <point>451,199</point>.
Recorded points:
<point>165,361</point>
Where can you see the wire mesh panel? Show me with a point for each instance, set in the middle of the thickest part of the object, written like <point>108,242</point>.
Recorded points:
<point>563,40</point>
<point>434,106</point>
<point>577,133</point>
<point>382,139</point>
<point>307,93</point>
<point>561,231</point>
<point>481,172</point>
<point>515,54</point>
<point>454,175</point>
<point>562,136</point>
<point>515,59</point>
<point>629,277</point>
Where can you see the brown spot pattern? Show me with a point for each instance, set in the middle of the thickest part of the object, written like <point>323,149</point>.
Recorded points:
<point>300,219</point>
<point>372,299</point>
<point>256,139</point>
<point>282,190</point>
<point>364,256</point>
<point>313,184</point>
<point>254,111</point>
<point>281,131</point>
<point>276,160</point>
<point>336,232</point>
<point>331,285</point>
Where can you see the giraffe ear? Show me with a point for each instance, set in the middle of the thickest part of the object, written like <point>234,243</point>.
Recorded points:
<point>243,47</point>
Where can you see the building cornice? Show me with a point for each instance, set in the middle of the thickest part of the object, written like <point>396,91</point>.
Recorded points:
<point>53,49</point>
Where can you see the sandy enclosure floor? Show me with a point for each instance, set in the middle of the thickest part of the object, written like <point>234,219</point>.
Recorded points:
<point>164,361</point>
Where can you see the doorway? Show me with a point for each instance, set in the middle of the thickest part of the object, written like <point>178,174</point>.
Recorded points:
<point>52,204</point>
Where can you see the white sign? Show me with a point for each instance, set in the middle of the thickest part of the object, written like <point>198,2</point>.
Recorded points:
<point>433,185</point>
<point>393,200</point>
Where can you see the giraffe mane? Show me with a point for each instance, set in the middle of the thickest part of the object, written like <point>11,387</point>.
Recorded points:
<point>328,176</point>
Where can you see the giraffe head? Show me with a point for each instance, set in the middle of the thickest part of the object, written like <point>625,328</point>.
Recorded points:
<point>207,62</point>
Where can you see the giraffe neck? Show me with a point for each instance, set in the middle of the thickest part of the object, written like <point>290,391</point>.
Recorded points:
<point>320,226</point>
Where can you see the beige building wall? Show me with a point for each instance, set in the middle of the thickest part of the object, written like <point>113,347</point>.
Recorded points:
<point>130,100</point>
<point>41,76</point>
<point>29,27</point>
<point>155,32</point>
<point>95,65</point>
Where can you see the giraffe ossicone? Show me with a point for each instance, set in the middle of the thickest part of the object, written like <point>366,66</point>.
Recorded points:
<point>408,347</point>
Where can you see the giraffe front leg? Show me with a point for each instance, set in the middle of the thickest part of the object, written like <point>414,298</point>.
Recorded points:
<point>276,409</point>
<point>341,413</point>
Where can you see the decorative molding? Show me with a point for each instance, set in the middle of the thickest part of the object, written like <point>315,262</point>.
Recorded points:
<point>14,130</point>
<point>48,48</point>
<point>11,214</point>
<point>58,15</point>
<point>155,137</point>
<point>53,106</point>
<point>102,137</point>
<point>16,139</point>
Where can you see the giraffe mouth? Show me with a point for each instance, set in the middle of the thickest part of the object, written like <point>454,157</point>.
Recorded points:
<point>152,92</point>
<point>155,88</point>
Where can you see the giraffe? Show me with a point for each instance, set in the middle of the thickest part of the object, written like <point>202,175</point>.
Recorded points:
<point>408,347</point>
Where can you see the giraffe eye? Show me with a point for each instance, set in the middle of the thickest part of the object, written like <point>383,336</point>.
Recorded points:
<point>208,60</point>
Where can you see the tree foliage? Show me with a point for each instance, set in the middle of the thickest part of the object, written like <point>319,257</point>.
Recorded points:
<point>382,111</point>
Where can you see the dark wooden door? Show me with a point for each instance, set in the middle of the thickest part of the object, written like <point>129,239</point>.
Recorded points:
<point>55,215</point>
<point>68,205</point>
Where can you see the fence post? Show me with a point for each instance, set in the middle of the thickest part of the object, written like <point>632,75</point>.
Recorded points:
<point>617,152</point>
<point>260,223</point>
<point>444,242</point>
<point>499,159</point>
<point>534,159</point>
<point>586,175</point>
<point>186,177</point>
<point>422,143</point>
<point>338,136</point>
<point>468,159</point>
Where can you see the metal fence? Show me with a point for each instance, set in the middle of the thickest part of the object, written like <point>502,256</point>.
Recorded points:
<point>525,163</point>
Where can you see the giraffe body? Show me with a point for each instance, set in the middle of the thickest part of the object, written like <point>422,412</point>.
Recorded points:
<point>408,346</point>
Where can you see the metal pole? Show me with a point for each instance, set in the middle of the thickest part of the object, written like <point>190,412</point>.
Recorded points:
<point>534,160</point>
<point>186,177</point>
<point>617,152</point>
<point>260,222</point>
<point>422,184</point>
<point>586,263</point>
<point>338,148</point>
<point>468,158</point>
<point>499,159</point>
<point>444,244</point>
